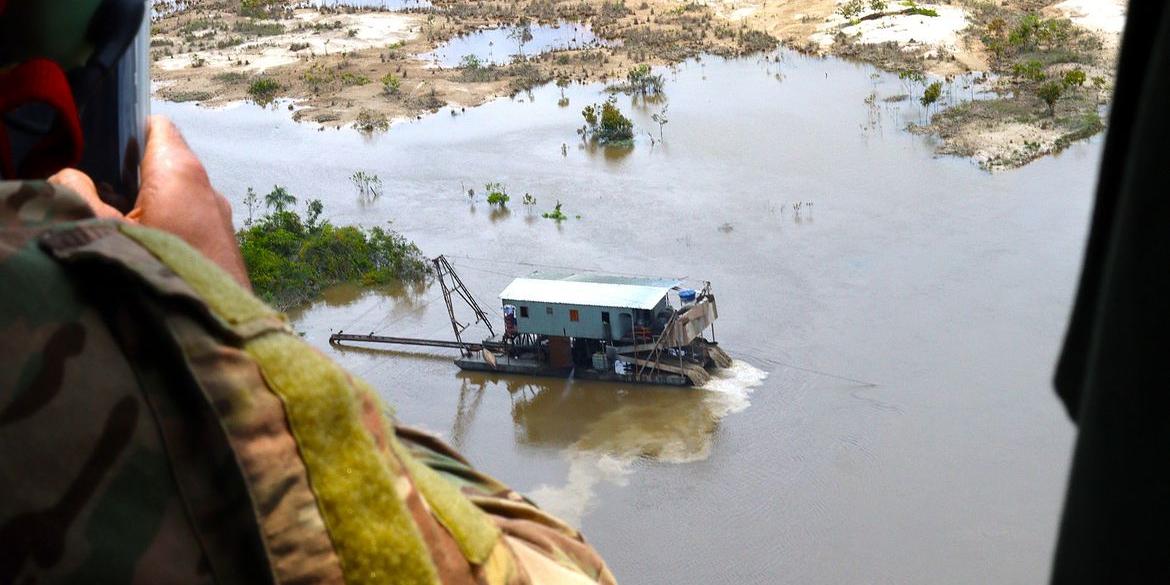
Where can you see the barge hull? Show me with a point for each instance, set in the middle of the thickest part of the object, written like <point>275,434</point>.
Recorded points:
<point>528,367</point>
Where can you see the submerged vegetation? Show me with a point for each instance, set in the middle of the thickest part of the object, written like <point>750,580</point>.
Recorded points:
<point>640,80</point>
<point>292,257</point>
<point>605,124</point>
<point>497,194</point>
<point>556,214</point>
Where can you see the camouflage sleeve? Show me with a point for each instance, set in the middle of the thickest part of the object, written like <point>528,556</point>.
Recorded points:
<point>90,492</point>
<point>262,460</point>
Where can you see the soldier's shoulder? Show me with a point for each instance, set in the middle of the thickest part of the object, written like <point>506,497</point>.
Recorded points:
<point>25,204</point>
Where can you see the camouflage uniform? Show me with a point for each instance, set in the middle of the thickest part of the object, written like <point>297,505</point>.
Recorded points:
<point>158,424</point>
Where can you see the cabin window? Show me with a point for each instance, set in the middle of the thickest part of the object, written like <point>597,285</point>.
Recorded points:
<point>574,315</point>
<point>548,310</point>
<point>605,317</point>
<point>524,312</point>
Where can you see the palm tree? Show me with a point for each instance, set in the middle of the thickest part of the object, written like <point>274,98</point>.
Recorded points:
<point>279,199</point>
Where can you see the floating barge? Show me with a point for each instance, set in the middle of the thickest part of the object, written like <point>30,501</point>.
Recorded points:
<point>587,326</point>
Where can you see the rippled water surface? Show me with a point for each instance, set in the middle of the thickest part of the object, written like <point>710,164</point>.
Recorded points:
<point>890,419</point>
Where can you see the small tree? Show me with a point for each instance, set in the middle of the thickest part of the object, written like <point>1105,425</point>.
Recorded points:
<point>315,208</point>
<point>606,124</point>
<point>661,119</point>
<point>932,93</point>
<point>251,201</point>
<point>851,9</point>
<point>641,79</point>
<point>1050,92</point>
<point>279,199</point>
<point>521,34</point>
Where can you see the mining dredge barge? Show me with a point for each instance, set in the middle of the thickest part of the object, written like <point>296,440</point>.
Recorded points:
<point>588,326</point>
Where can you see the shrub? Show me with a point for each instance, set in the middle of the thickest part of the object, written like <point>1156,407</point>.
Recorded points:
<point>851,9</point>
<point>290,259</point>
<point>556,214</point>
<point>472,68</point>
<point>349,79</point>
<point>1031,70</point>
<point>258,29</point>
<point>640,79</point>
<point>1050,92</point>
<point>606,124</point>
<point>370,121</point>
<point>391,84</point>
<point>263,90</point>
<point>497,194</point>
<point>1076,77</point>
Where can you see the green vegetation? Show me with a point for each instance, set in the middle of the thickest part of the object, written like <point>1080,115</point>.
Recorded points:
<point>349,78</point>
<point>1031,70</point>
<point>661,119</point>
<point>196,25</point>
<point>918,10</point>
<point>263,90</point>
<point>391,84</point>
<point>931,94</point>
<point>1049,93</point>
<point>258,8</point>
<point>851,9</point>
<point>472,68</point>
<point>556,214</point>
<point>258,29</point>
<point>369,185</point>
<point>291,258</point>
<point>605,124</point>
<point>497,194</point>
<point>230,77</point>
<point>371,121</point>
<point>640,80</point>
<point>1074,78</point>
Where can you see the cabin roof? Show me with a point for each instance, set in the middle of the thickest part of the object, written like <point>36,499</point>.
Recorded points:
<point>594,290</point>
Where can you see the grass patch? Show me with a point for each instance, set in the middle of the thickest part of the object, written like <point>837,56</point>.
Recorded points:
<point>258,29</point>
<point>230,77</point>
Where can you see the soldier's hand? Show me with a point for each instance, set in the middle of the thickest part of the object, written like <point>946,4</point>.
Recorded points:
<point>176,196</point>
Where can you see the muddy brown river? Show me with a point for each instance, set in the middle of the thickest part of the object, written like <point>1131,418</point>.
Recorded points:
<point>890,417</point>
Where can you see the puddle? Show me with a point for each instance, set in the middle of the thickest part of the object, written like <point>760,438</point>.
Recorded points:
<point>500,46</point>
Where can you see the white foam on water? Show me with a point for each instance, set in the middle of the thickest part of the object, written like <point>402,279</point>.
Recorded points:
<point>607,453</point>
<point>730,388</point>
<point>586,471</point>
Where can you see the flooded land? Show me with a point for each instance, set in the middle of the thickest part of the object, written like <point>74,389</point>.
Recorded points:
<point>1048,65</point>
<point>895,314</point>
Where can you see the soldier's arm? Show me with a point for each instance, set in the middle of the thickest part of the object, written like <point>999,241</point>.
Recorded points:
<point>280,466</point>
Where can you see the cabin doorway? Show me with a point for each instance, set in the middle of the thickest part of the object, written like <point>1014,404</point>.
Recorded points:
<point>606,330</point>
<point>626,325</point>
